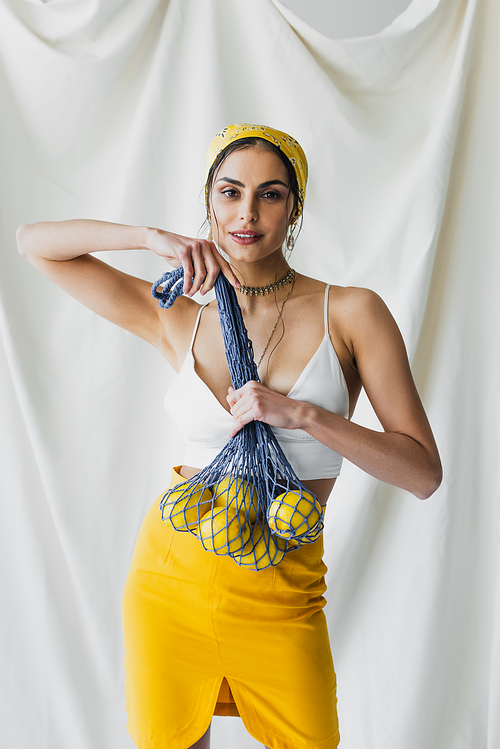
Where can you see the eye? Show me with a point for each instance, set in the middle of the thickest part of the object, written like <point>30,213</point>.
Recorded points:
<point>230,192</point>
<point>271,195</point>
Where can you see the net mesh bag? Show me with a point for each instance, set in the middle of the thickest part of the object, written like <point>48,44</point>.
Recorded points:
<point>248,503</point>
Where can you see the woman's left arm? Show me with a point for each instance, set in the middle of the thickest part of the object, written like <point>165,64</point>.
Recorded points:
<point>405,453</point>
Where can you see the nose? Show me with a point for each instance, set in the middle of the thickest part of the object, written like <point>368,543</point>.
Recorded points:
<point>248,208</point>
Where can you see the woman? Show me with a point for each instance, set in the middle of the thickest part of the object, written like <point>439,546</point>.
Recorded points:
<point>203,635</point>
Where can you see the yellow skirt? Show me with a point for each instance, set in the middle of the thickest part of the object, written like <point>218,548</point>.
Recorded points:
<point>204,636</point>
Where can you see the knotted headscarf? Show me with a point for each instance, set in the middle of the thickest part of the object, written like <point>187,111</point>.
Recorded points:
<point>292,150</point>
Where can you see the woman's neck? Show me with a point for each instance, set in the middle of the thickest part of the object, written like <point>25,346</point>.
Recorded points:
<point>262,272</point>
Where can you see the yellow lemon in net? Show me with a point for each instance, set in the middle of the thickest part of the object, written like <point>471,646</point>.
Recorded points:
<point>293,514</point>
<point>261,550</point>
<point>313,534</point>
<point>234,492</point>
<point>185,505</point>
<point>223,530</point>
<point>309,538</point>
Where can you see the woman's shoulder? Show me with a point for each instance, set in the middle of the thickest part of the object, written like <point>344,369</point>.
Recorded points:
<point>356,299</point>
<point>347,298</point>
<point>362,317</point>
<point>351,309</point>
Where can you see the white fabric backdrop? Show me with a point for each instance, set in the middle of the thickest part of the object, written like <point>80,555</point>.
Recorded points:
<point>107,109</point>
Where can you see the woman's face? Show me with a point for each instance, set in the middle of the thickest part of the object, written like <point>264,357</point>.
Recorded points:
<point>251,204</point>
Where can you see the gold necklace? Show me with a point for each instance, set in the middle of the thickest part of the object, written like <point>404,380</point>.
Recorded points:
<point>277,320</point>
<point>256,290</point>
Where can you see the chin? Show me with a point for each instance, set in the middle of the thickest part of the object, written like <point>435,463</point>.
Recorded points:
<point>248,254</point>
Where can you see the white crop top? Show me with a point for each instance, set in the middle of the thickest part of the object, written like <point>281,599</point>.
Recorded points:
<point>205,423</point>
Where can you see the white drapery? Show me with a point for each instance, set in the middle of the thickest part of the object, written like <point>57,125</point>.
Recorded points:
<point>107,111</point>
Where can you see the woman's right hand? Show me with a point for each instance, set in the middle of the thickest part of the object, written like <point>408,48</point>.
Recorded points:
<point>200,259</point>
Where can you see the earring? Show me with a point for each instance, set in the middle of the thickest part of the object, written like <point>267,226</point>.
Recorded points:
<point>290,238</point>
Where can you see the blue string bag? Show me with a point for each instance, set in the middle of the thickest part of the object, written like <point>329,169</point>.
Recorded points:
<point>248,503</point>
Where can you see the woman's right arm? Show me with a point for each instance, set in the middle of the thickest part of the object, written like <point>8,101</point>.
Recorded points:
<point>61,250</point>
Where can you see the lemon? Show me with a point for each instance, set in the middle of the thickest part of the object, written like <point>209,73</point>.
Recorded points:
<point>309,538</point>
<point>294,514</point>
<point>313,534</point>
<point>261,549</point>
<point>233,491</point>
<point>185,506</point>
<point>223,530</point>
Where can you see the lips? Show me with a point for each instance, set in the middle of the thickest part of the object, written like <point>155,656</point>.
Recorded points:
<point>245,237</point>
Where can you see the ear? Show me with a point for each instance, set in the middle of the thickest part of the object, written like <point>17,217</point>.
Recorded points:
<point>294,216</point>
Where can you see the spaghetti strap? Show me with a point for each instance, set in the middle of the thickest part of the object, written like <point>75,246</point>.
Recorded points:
<point>195,330</point>
<point>327,289</point>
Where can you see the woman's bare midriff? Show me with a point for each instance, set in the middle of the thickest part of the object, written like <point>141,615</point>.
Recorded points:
<point>320,487</point>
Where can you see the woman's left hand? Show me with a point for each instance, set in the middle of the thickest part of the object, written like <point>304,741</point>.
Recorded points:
<point>256,402</point>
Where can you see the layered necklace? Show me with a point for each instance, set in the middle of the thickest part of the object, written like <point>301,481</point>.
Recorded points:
<point>289,278</point>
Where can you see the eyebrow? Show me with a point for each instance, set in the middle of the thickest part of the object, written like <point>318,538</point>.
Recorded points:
<point>263,184</point>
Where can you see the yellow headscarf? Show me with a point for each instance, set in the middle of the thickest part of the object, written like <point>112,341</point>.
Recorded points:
<point>292,150</point>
